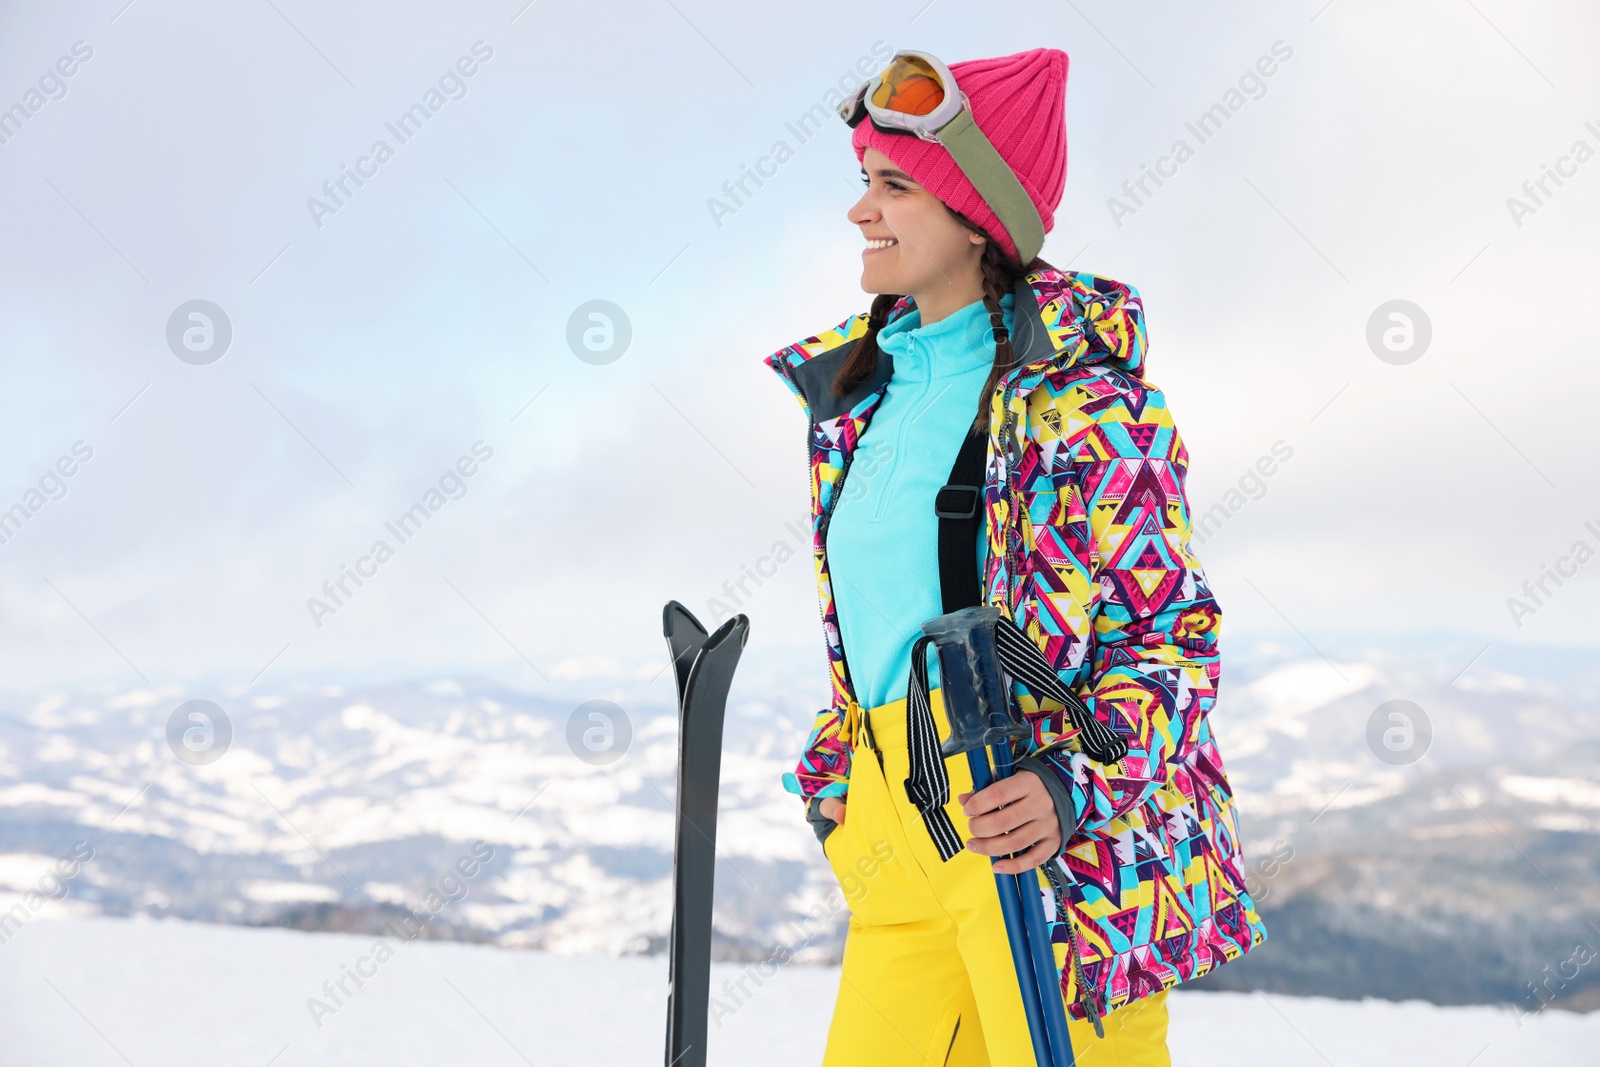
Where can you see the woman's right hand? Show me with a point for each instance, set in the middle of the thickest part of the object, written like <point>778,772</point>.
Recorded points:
<point>833,808</point>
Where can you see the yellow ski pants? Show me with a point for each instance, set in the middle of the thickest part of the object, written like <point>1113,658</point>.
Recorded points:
<point>928,977</point>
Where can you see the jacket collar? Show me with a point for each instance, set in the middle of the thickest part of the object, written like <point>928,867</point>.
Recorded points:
<point>1062,319</point>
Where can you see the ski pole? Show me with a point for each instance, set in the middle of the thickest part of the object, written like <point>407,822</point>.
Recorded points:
<point>1043,953</point>
<point>982,725</point>
<point>1026,935</point>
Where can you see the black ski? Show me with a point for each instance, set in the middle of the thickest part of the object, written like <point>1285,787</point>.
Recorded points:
<point>704,666</point>
<point>685,638</point>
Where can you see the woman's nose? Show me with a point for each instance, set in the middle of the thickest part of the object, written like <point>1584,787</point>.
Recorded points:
<point>862,211</point>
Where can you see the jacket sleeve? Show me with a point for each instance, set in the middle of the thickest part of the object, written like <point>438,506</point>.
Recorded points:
<point>1153,658</point>
<point>824,766</point>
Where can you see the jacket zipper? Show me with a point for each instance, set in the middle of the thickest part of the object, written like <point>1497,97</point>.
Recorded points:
<point>1007,442</point>
<point>827,516</point>
<point>1089,998</point>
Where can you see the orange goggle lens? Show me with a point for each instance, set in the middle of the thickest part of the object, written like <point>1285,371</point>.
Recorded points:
<point>910,86</point>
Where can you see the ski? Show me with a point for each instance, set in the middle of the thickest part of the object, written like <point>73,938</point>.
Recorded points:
<point>704,665</point>
<point>685,637</point>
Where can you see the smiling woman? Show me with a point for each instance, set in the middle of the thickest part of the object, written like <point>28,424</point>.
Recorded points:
<point>981,366</point>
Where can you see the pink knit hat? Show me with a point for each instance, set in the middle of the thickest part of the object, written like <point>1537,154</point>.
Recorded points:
<point>1020,104</point>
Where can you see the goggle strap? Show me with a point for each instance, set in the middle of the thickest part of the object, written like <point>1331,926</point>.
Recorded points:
<point>996,182</point>
<point>854,107</point>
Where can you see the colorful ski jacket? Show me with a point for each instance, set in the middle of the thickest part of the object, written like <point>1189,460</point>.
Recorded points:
<point>1088,552</point>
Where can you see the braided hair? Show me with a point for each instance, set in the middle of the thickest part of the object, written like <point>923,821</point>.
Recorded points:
<point>1000,273</point>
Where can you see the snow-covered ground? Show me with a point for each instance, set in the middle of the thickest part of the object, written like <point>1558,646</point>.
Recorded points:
<point>89,991</point>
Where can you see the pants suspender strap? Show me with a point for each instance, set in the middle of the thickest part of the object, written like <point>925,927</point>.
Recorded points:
<point>959,506</point>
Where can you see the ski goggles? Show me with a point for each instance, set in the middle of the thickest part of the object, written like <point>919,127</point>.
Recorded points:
<point>917,95</point>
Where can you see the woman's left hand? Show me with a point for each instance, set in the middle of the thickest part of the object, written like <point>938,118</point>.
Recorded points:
<point>1011,815</point>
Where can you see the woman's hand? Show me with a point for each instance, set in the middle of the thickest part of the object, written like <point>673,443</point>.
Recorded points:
<point>833,808</point>
<point>1012,815</point>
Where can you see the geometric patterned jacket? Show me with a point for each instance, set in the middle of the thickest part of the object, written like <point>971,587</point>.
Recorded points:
<point>1088,553</point>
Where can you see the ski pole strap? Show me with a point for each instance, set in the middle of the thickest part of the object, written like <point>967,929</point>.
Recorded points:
<point>1024,662</point>
<point>928,787</point>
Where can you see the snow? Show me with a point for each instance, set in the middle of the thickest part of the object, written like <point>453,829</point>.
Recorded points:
<point>98,991</point>
<point>289,891</point>
<point>25,870</point>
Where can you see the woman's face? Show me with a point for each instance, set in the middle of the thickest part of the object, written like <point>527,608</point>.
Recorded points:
<point>914,244</point>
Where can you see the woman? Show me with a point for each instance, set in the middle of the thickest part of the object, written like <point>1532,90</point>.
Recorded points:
<point>1086,550</point>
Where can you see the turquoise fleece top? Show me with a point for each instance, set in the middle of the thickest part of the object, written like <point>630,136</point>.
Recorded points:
<point>883,538</point>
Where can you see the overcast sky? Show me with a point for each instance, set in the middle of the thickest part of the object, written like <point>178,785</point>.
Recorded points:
<point>380,335</point>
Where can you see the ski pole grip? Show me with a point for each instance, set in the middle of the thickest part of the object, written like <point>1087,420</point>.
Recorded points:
<point>976,702</point>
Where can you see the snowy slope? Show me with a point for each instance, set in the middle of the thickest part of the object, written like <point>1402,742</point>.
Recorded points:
<point>92,992</point>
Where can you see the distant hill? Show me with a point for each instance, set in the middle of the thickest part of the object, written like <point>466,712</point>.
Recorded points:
<point>1468,876</point>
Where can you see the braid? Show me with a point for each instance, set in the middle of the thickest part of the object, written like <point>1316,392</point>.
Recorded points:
<point>998,278</point>
<point>864,358</point>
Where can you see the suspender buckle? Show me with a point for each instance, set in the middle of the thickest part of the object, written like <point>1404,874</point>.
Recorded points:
<point>956,502</point>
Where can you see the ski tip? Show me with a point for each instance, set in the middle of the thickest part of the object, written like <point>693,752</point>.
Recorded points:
<point>739,624</point>
<point>675,612</point>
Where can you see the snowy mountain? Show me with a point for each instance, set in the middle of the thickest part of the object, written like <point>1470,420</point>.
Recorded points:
<point>341,809</point>
<point>458,809</point>
<point>1464,868</point>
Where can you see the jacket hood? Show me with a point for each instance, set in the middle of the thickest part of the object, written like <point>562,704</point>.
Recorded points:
<point>1062,319</point>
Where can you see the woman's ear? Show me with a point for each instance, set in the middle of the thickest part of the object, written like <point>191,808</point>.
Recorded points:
<point>977,238</point>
